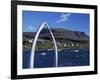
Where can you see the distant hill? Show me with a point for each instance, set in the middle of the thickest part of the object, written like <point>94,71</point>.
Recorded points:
<point>59,33</point>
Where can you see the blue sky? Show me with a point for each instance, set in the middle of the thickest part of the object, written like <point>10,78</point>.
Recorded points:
<point>72,21</point>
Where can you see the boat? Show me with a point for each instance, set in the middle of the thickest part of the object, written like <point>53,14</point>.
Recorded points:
<point>59,50</point>
<point>74,50</point>
<point>43,54</point>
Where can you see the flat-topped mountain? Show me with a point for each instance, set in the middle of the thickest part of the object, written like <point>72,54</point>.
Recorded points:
<point>59,33</point>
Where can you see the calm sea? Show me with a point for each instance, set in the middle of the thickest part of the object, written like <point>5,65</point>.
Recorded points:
<point>46,58</point>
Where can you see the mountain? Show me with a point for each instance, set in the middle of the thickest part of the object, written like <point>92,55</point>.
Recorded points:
<point>59,33</point>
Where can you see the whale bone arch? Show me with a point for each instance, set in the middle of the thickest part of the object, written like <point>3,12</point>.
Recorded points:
<point>44,24</point>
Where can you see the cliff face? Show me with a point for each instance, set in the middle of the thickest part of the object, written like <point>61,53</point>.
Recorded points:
<point>59,34</point>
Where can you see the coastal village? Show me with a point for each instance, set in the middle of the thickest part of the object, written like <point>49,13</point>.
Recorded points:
<point>46,42</point>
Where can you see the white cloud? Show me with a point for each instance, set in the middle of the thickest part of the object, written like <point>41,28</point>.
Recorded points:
<point>30,28</point>
<point>63,18</point>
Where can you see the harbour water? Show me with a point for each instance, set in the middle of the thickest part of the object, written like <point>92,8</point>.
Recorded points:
<point>46,58</point>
